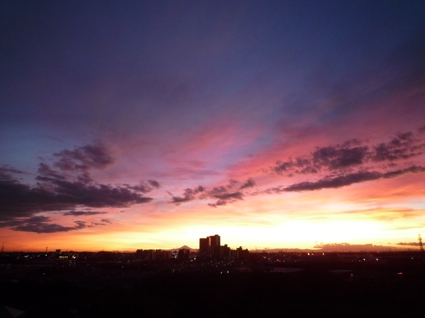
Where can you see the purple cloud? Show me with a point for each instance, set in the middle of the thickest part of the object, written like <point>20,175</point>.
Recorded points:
<point>7,173</point>
<point>188,195</point>
<point>348,179</point>
<point>335,182</point>
<point>82,213</point>
<point>154,184</point>
<point>40,224</point>
<point>403,146</point>
<point>226,198</point>
<point>352,155</point>
<point>83,158</point>
<point>64,186</point>
<point>248,184</point>
<point>145,187</point>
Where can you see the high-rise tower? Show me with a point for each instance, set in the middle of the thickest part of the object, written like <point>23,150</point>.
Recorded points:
<point>203,247</point>
<point>214,240</point>
<point>209,246</point>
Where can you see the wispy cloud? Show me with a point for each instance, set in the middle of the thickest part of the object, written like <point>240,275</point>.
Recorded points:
<point>412,244</point>
<point>83,158</point>
<point>188,195</point>
<point>145,187</point>
<point>346,247</point>
<point>7,173</point>
<point>222,194</point>
<point>102,222</point>
<point>154,184</point>
<point>403,146</point>
<point>335,182</point>
<point>226,198</point>
<point>248,184</point>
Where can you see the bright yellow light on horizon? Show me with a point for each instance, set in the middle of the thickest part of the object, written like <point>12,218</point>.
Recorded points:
<point>298,234</point>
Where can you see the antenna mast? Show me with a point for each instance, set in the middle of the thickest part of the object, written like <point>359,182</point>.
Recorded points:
<point>420,243</point>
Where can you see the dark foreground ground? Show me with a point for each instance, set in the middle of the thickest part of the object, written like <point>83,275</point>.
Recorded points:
<point>314,290</point>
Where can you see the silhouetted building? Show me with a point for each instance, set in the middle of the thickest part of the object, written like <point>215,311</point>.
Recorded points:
<point>214,240</point>
<point>153,255</point>
<point>210,246</point>
<point>214,244</point>
<point>183,255</point>
<point>225,251</point>
<point>242,254</point>
<point>203,247</point>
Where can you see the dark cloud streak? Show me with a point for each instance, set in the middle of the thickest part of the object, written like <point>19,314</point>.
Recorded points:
<point>345,180</point>
<point>145,187</point>
<point>154,184</point>
<point>82,213</point>
<point>221,194</point>
<point>188,195</point>
<point>40,224</point>
<point>84,158</point>
<point>335,182</point>
<point>226,198</point>
<point>248,184</point>
<point>7,173</point>
<point>403,146</point>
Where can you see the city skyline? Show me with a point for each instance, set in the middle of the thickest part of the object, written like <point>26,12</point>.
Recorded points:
<point>151,124</point>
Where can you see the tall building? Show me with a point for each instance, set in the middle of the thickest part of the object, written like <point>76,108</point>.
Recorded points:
<point>183,255</point>
<point>203,247</point>
<point>214,244</point>
<point>214,240</point>
<point>209,246</point>
<point>242,254</point>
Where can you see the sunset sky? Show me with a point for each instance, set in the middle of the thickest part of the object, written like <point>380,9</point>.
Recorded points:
<point>131,125</point>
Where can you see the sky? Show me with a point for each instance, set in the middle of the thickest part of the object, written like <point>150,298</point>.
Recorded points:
<point>150,124</point>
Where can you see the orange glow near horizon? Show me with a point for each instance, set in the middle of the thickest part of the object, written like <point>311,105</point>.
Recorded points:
<point>291,225</point>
